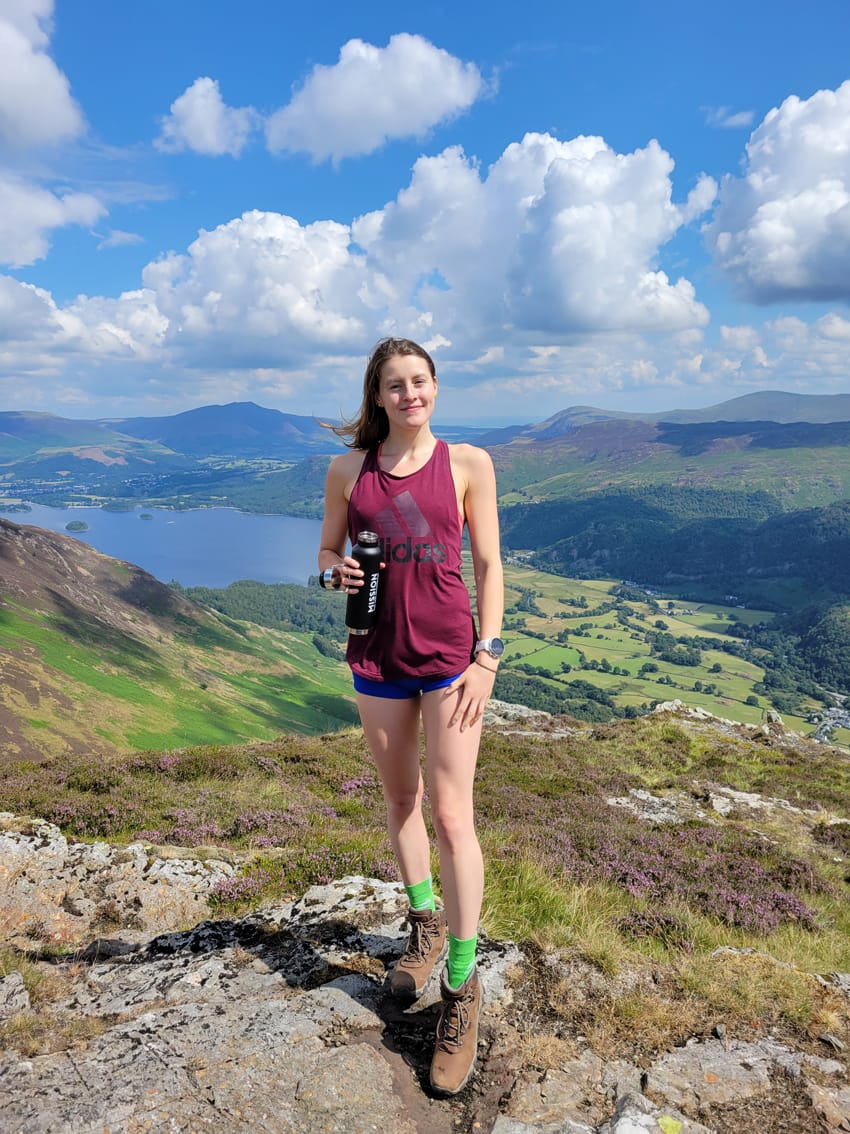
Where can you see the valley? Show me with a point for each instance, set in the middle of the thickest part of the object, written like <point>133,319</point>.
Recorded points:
<point>733,531</point>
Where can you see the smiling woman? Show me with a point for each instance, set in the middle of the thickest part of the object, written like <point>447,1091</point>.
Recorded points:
<point>422,664</point>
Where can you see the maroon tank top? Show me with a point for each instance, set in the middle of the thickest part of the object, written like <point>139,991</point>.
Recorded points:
<point>425,626</point>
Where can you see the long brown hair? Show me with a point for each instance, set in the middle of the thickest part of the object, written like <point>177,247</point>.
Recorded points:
<point>370,426</point>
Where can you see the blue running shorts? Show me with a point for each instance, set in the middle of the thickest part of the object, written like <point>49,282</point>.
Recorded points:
<point>403,690</point>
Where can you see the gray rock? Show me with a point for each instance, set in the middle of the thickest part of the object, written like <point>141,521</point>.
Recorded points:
<point>658,809</point>
<point>833,1107</point>
<point>13,995</point>
<point>710,1073</point>
<point>281,1022</point>
<point>728,801</point>
<point>579,1091</point>
<point>505,1125</point>
<point>635,1113</point>
<point>63,893</point>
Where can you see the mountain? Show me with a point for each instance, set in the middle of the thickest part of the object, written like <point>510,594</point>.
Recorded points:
<point>98,654</point>
<point>45,447</point>
<point>755,509</point>
<point>42,445</point>
<point>239,429</point>
<point>760,406</point>
<point>797,465</point>
<point>770,405</point>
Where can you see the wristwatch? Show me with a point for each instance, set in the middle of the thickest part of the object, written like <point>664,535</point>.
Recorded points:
<point>495,647</point>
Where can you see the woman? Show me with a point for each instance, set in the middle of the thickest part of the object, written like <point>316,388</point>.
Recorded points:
<point>423,661</point>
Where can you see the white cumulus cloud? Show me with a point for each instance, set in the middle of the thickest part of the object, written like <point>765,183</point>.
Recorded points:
<point>262,289</point>
<point>500,269</point>
<point>36,106</point>
<point>782,230</point>
<point>372,95</point>
<point>557,237</point>
<point>34,18</point>
<point>200,120</point>
<point>28,214</point>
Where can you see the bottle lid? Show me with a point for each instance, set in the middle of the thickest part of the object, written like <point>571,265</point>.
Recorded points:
<point>367,539</point>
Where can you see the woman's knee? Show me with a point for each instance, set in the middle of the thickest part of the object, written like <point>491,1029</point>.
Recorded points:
<point>402,802</point>
<point>454,827</point>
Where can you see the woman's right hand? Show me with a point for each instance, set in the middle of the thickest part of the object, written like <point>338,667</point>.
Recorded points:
<point>352,575</point>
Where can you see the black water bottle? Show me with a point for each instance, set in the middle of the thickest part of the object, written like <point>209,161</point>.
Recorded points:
<point>361,610</point>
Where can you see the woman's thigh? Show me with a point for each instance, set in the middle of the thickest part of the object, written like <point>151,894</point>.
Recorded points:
<point>450,755</point>
<point>391,729</point>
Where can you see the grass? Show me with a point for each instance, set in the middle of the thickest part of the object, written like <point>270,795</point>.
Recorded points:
<point>214,682</point>
<point>31,1033</point>
<point>618,897</point>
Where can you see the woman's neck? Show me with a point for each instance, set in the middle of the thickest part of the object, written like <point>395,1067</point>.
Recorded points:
<point>408,444</point>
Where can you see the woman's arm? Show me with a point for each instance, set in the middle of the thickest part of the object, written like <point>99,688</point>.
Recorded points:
<point>482,519</point>
<point>342,473</point>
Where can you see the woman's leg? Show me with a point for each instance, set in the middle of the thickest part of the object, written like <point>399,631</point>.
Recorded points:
<point>450,759</point>
<point>392,732</point>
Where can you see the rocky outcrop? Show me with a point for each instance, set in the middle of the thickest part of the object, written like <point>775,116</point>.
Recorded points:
<point>280,1022</point>
<point>57,893</point>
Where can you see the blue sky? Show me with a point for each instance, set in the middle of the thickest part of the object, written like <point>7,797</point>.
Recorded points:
<point>628,205</point>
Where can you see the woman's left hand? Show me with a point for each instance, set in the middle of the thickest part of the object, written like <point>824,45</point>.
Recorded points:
<point>474,687</point>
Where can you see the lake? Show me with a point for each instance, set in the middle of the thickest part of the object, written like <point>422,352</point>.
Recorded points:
<point>208,547</point>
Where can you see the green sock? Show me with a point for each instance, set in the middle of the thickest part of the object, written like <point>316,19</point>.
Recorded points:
<point>461,959</point>
<point>421,895</point>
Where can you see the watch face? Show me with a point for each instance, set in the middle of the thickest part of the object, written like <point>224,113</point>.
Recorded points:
<point>495,647</point>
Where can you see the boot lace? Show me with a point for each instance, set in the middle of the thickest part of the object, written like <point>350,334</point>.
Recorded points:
<point>419,942</point>
<point>453,1023</point>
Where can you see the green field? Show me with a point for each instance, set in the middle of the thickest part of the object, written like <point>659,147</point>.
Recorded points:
<point>598,641</point>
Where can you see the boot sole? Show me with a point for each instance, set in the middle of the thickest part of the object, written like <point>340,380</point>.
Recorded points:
<point>407,996</point>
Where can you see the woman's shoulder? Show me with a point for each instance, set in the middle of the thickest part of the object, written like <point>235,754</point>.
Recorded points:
<point>351,461</point>
<point>344,470</point>
<point>469,457</point>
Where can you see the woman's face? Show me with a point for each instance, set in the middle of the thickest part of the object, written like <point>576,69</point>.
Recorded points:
<point>407,390</point>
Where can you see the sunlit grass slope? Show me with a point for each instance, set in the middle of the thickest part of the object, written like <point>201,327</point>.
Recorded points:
<point>567,868</point>
<point>211,681</point>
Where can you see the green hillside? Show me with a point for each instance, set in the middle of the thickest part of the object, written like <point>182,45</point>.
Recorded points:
<point>98,654</point>
<point>795,465</point>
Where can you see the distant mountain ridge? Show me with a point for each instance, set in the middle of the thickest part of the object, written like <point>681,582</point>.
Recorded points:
<point>793,447</point>
<point>235,429</point>
<point>241,429</point>
<point>776,406</point>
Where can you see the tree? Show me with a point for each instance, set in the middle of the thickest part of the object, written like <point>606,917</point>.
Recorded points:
<point>826,647</point>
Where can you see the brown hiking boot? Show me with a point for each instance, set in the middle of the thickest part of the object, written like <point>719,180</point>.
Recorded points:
<point>457,1036</point>
<point>424,948</point>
